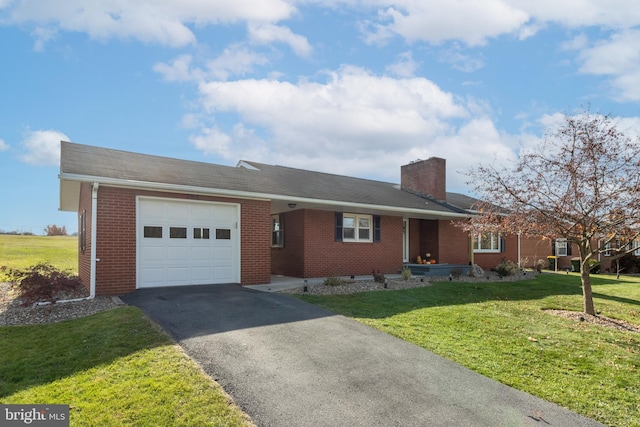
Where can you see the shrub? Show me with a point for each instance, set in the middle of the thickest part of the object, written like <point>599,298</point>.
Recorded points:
<point>628,264</point>
<point>333,281</point>
<point>506,268</point>
<point>594,266</point>
<point>405,273</point>
<point>378,277</point>
<point>42,282</point>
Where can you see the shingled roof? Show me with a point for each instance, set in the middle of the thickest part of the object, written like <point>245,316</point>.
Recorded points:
<point>84,163</point>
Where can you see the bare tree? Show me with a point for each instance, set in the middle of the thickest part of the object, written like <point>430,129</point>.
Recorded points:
<point>581,183</point>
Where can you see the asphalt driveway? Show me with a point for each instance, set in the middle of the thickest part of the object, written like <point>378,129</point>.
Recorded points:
<point>289,363</point>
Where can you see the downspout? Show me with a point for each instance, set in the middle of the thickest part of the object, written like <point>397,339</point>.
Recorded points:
<point>94,232</point>
<point>519,253</point>
<point>94,224</point>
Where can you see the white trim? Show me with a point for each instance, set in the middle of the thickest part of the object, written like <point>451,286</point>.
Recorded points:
<point>176,188</point>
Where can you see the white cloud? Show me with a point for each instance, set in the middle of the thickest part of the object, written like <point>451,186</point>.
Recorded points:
<point>471,22</point>
<point>179,70</point>
<point>42,147</point>
<point>582,13</point>
<point>619,58</point>
<point>353,123</point>
<point>235,60</point>
<point>3,145</point>
<point>405,66</point>
<point>461,61</point>
<point>268,33</point>
<point>165,22</point>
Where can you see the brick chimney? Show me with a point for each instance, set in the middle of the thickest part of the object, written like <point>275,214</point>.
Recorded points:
<point>425,177</point>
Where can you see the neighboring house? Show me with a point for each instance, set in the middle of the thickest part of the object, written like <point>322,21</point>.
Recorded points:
<point>147,221</point>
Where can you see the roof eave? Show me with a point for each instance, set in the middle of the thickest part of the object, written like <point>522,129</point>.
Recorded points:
<point>70,193</point>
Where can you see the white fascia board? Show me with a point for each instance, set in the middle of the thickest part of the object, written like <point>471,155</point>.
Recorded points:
<point>175,188</point>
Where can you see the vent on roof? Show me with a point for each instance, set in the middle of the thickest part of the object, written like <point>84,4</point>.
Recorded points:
<point>243,164</point>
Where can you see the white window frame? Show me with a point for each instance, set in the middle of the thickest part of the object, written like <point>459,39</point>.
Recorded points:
<point>357,227</point>
<point>561,247</point>
<point>636,245</point>
<point>493,238</point>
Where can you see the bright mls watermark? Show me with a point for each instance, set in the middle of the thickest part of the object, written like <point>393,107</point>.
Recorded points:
<point>34,415</point>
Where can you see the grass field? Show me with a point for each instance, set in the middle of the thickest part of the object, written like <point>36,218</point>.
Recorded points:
<point>501,331</point>
<point>23,251</point>
<point>114,368</point>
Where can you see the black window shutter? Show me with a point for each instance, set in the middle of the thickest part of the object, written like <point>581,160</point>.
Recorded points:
<point>568,247</point>
<point>376,228</point>
<point>553,247</point>
<point>338,226</point>
<point>503,244</point>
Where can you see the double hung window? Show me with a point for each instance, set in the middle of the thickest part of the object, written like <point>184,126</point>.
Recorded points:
<point>487,242</point>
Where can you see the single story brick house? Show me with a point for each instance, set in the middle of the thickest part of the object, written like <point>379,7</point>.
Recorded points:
<point>147,221</point>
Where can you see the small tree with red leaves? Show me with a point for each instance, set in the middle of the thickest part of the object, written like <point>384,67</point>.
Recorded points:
<point>581,183</point>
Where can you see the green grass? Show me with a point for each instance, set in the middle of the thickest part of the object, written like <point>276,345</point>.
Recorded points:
<point>113,368</point>
<point>24,251</point>
<point>501,331</point>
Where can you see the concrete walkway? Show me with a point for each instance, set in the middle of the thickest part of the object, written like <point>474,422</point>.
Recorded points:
<point>289,363</point>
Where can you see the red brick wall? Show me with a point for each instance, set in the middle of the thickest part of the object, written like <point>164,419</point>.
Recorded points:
<point>453,244</point>
<point>426,176</point>
<point>315,253</point>
<point>116,238</point>
<point>533,249</point>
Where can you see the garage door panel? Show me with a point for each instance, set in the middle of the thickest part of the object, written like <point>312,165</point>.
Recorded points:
<point>153,254</point>
<point>178,253</point>
<point>223,274</point>
<point>202,274</point>
<point>183,245</point>
<point>199,254</point>
<point>222,254</point>
<point>152,276</point>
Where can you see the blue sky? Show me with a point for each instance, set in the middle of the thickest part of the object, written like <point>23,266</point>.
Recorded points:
<point>353,87</point>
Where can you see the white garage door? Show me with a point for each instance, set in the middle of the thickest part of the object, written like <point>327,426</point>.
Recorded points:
<point>187,243</point>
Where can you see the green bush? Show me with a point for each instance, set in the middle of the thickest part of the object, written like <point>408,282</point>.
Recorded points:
<point>333,281</point>
<point>405,273</point>
<point>506,268</point>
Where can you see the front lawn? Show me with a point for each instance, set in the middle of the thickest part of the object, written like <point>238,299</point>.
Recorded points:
<point>501,331</point>
<point>114,368</point>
